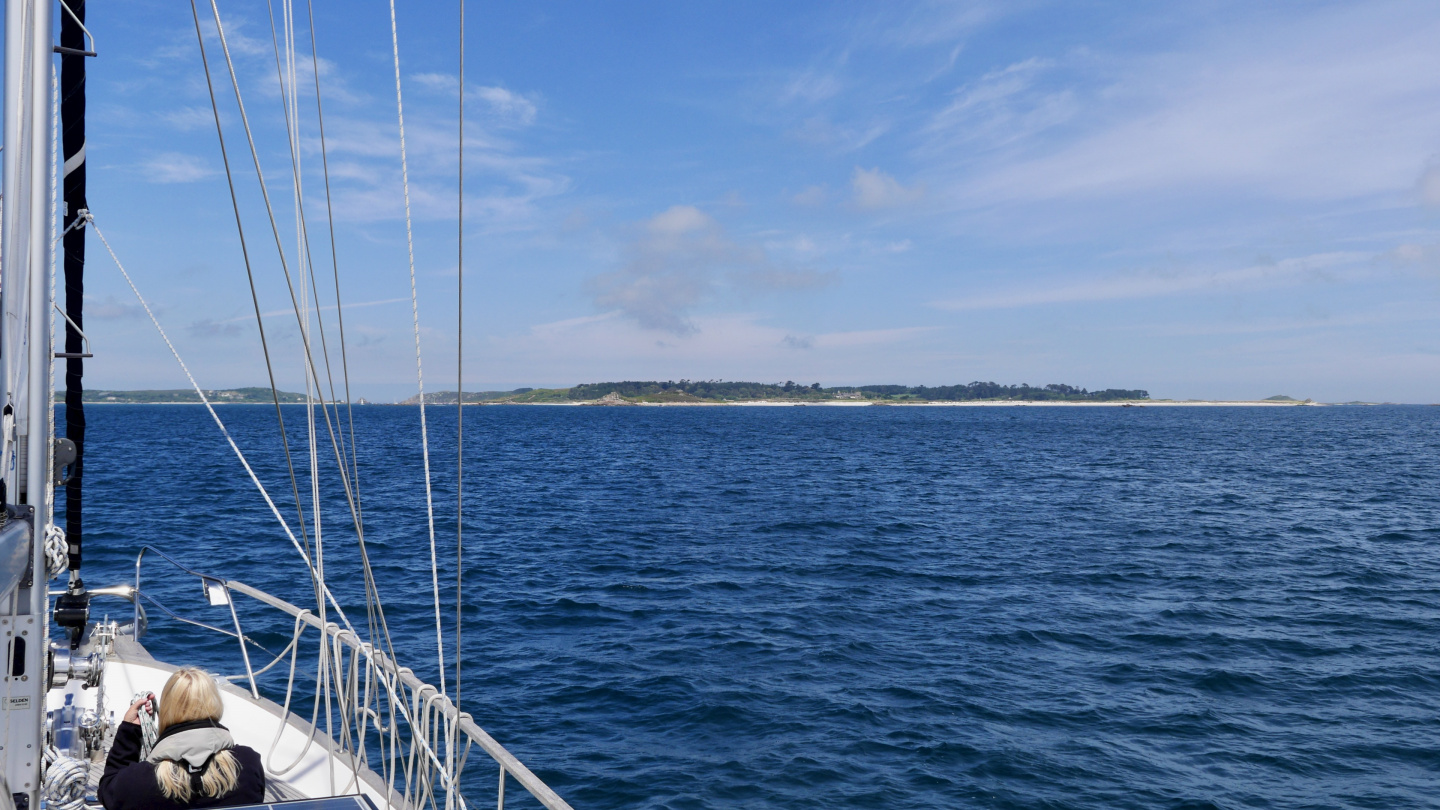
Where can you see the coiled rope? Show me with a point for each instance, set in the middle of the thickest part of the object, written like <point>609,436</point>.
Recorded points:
<point>66,779</point>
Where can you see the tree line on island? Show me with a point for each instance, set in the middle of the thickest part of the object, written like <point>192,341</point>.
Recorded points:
<point>726,391</point>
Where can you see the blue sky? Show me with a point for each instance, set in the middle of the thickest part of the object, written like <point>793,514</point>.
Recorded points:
<point>1202,199</point>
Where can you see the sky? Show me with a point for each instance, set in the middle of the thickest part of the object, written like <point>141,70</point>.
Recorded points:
<point>1201,199</point>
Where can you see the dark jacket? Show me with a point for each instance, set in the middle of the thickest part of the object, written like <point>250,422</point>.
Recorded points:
<point>129,783</point>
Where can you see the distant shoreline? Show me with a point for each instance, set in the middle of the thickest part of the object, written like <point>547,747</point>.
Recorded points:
<point>770,403</point>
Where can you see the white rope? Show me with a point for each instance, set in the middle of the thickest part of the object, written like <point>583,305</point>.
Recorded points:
<point>56,551</point>
<point>90,218</point>
<point>419,373</point>
<point>66,779</point>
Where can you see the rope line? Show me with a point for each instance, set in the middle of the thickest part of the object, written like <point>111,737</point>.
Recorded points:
<point>454,745</point>
<point>419,373</point>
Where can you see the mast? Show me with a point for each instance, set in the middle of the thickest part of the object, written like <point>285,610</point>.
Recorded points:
<point>26,357</point>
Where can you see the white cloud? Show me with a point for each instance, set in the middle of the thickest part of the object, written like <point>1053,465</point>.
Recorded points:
<point>811,196</point>
<point>734,346</point>
<point>508,105</point>
<point>1429,186</point>
<point>874,189</point>
<point>681,258</point>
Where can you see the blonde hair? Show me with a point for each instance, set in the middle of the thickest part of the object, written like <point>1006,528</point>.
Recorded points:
<point>191,694</point>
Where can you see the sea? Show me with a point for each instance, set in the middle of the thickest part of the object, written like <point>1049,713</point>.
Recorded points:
<point>824,607</point>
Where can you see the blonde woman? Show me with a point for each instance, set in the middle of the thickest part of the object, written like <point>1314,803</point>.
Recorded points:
<point>195,762</point>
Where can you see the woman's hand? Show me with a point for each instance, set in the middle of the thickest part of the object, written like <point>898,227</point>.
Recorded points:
<point>133,714</point>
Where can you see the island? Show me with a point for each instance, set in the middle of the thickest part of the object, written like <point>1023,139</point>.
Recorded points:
<point>721,392</point>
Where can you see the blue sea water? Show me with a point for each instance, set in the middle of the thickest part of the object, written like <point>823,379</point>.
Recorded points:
<point>863,607</point>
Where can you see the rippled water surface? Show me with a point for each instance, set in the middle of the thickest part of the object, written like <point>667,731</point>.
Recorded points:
<point>864,607</point>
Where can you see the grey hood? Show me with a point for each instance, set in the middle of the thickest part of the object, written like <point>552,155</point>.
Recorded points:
<point>194,747</point>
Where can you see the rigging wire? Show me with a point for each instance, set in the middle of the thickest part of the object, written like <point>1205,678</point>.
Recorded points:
<point>275,232</point>
<point>90,218</point>
<point>344,360</point>
<point>375,615</point>
<point>254,296</point>
<point>306,271</point>
<point>372,592</point>
<point>280,250</point>
<point>419,373</point>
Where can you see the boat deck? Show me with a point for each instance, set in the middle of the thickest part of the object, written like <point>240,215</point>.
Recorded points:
<point>300,762</point>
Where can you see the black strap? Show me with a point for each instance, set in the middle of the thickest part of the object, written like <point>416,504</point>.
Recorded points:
<point>72,116</point>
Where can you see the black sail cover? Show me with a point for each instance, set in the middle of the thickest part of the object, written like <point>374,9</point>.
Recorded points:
<point>72,117</point>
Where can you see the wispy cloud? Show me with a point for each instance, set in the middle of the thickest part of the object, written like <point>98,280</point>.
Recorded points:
<point>290,313</point>
<point>112,308</point>
<point>821,131</point>
<point>209,328</point>
<point>187,119</point>
<point>1320,267</point>
<point>501,104</point>
<point>176,167</point>
<point>811,86</point>
<point>1333,105</point>
<point>1000,108</point>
